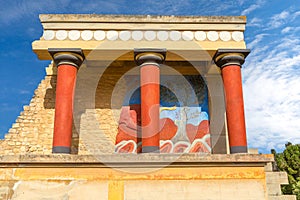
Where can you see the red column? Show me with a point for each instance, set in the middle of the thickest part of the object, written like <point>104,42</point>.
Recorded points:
<point>67,64</point>
<point>235,108</point>
<point>149,60</point>
<point>230,62</point>
<point>65,86</point>
<point>150,107</point>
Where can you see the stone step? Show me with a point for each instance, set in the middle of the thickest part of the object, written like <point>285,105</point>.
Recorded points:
<point>276,177</point>
<point>274,189</point>
<point>274,180</point>
<point>283,197</point>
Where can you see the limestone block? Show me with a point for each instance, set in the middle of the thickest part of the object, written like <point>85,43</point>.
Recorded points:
<point>269,167</point>
<point>4,191</point>
<point>284,197</point>
<point>15,125</point>
<point>60,190</point>
<point>276,177</point>
<point>195,190</point>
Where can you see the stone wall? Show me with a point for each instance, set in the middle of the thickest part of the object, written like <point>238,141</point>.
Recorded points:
<point>95,123</point>
<point>32,130</point>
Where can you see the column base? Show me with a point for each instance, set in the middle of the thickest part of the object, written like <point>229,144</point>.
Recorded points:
<point>238,149</point>
<point>150,149</point>
<point>61,149</point>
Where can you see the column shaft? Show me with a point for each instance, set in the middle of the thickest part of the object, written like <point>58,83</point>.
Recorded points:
<point>67,61</point>
<point>230,61</point>
<point>65,87</point>
<point>235,108</point>
<point>150,81</point>
<point>149,60</point>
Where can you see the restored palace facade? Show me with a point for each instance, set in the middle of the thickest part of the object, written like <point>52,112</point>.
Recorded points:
<point>137,107</point>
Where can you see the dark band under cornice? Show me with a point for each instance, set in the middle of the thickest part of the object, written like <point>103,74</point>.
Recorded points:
<point>71,56</point>
<point>226,57</point>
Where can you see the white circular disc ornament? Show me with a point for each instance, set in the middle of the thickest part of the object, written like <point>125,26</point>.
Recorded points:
<point>237,36</point>
<point>86,35</point>
<point>125,35</point>
<point>175,35</point>
<point>200,35</point>
<point>137,35</point>
<point>187,35</point>
<point>48,35</point>
<point>74,35</point>
<point>150,35</point>
<point>162,35</point>
<point>99,35</point>
<point>61,35</point>
<point>112,35</point>
<point>225,36</point>
<point>213,35</point>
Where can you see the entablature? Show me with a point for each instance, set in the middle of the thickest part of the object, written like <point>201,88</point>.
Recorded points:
<point>193,38</point>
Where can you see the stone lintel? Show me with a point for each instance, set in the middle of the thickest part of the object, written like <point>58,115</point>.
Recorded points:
<point>141,160</point>
<point>140,18</point>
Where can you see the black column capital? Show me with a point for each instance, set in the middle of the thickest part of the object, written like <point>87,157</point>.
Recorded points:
<point>145,56</point>
<point>225,57</point>
<point>70,56</point>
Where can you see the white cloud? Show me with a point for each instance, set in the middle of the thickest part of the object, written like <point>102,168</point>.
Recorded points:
<point>290,31</point>
<point>98,6</point>
<point>295,15</point>
<point>253,7</point>
<point>258,39</point>
<point>282,15</point>
<point>286,29</point>
<point>17,10</point>
<point>272,92</point>
<point>13,11</point>
<point>241,2</point>
<point>255,22</point>
<point>280,19</point>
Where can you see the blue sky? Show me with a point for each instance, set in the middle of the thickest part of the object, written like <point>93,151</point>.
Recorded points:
<point>271,72</point>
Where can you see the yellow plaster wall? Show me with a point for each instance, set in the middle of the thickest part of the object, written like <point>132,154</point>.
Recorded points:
<point>114,184</point>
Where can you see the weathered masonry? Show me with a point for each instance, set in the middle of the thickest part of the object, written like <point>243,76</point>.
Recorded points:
<point>137,107</point>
